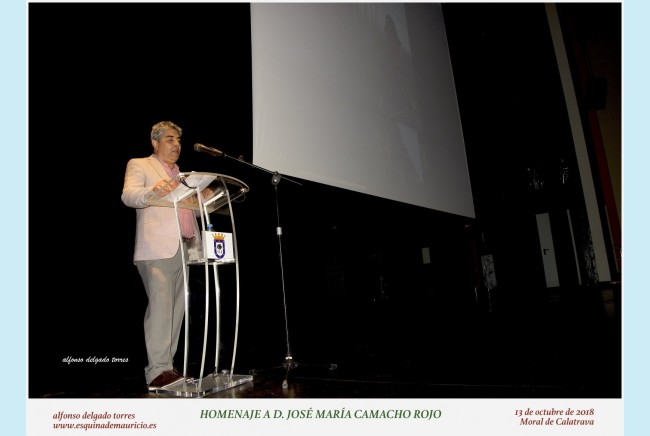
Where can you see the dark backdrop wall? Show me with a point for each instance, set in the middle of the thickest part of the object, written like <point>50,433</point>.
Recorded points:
<point>357,289</point>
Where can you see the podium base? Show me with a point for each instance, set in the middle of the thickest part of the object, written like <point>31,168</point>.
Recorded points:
<point>207,385</point>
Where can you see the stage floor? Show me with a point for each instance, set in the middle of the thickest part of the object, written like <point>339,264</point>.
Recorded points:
<point>320,382</point>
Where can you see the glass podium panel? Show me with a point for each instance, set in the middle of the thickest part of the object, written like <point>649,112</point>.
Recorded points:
<point>214,190</point>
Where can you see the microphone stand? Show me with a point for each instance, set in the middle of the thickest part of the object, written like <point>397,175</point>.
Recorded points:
<point>289,363</point>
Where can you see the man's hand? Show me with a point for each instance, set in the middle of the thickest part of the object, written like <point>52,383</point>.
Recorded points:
<point>161,188</point>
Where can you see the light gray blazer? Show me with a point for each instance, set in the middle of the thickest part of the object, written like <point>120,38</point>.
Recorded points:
<point>156,232</point>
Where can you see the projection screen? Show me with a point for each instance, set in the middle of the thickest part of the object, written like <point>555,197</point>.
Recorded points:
<point>360,96</point>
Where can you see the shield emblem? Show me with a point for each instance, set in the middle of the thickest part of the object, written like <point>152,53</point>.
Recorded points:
<point>219,248</point>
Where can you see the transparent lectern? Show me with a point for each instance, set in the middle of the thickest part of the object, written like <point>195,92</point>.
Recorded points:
<point>206,193</point>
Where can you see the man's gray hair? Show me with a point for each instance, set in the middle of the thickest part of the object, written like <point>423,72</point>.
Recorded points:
<point>158,129</point>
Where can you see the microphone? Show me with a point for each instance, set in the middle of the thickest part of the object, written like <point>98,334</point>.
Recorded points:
<point>209,150</point>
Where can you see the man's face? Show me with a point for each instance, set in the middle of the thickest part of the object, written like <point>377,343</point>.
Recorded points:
<point>168,147</point>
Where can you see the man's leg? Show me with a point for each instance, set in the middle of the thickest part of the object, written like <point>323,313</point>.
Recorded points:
<point>160,281</point>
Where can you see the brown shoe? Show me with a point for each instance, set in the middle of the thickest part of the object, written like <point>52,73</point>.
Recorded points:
<point>165,379</point>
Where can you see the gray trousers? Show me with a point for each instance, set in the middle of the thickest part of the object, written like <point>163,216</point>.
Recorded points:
<point>163,283</point>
